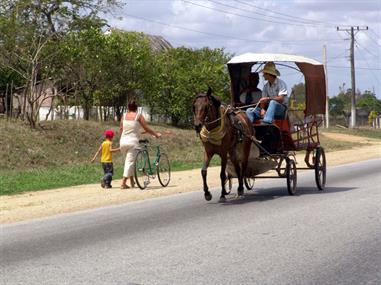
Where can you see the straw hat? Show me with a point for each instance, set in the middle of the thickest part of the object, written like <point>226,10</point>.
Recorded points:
<point>270,69</point>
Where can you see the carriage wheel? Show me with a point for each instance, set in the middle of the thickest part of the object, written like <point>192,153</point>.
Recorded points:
<point>141,170</point>
<point>163,170</point>
<point>320,168</point>
<point>249,183</point>
<point>291,176</point>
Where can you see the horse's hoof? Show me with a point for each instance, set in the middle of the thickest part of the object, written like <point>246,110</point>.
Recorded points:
<point>240,193</point>
<point>208,197</point>
<point>222,199</point>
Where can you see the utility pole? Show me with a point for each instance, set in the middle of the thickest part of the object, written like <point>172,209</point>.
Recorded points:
<point>353,80</point>
<point>326,87</point>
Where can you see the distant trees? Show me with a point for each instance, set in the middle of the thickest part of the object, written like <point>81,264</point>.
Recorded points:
<point>31,31</point>
<point>63,42</point>
<point>340,105</point>
<point>181,73</point>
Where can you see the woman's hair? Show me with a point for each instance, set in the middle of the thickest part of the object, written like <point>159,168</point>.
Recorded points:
<point>132,106</point>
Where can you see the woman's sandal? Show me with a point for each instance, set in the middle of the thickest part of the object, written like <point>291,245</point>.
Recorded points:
<point>124,187</point>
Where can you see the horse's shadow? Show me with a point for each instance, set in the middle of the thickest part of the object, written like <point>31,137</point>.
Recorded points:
<point>268,194</point>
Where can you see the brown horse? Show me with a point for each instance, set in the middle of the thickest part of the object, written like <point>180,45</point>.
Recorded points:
<point>221,132</point>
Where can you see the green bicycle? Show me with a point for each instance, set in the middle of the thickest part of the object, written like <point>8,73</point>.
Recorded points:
<point>145,170</point>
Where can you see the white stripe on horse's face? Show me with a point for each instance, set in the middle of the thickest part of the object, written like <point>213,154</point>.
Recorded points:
<point>200,105</point>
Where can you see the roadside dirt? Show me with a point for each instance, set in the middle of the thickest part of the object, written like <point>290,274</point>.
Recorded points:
<point>52,202</point>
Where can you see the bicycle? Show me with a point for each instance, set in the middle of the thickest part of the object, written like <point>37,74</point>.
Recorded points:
<point>145,170</point>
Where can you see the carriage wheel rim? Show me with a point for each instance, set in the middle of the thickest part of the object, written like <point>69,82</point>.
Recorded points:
<point>291,176</point>
<point>320,169</point>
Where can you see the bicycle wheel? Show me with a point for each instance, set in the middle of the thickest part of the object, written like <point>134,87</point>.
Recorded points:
<point>141,169</point>
<point>163,170</point>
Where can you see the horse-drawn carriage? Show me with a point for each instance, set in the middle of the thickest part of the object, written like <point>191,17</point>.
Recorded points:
<point>272,147</point>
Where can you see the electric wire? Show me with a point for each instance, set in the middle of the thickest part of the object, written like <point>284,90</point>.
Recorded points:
<point>240,15</point>
<point>286,15</point>
<point>371,70</point>
<point>290,42</point>
<point>261,14</point>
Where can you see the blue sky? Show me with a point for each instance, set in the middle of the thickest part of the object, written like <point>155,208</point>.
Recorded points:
<point>300,27</point>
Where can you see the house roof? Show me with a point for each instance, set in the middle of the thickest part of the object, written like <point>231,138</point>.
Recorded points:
<point>158,43</point>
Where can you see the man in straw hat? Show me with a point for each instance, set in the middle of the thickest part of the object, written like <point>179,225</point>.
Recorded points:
<point>273,97</point>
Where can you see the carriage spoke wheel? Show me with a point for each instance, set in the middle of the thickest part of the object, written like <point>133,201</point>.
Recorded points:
<point>291,176</point>
<point>249,183</point>
<point>163,169</point>
<point>141,170</point>
<point>320,168</point>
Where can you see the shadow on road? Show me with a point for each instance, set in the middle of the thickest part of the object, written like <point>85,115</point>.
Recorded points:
<point>263,195</point>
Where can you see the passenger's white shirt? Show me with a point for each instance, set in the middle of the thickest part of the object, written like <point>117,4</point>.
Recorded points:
<point>278,88</point>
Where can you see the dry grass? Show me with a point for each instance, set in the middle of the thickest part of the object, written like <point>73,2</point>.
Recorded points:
<point>64,143</point>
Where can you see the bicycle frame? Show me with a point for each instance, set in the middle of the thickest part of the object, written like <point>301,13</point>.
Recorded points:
<point>152,167</point>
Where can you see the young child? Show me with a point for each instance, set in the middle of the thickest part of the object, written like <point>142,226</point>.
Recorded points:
<point>106,151</point>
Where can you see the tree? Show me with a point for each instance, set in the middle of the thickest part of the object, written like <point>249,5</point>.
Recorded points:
<point>297,97</point>
<point>29,28</point>
<point>184,72</point>
<point>369,102</point>
<point>129,69</point>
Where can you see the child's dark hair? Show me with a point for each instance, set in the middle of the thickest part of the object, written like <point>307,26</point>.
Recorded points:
<point>132,106</point>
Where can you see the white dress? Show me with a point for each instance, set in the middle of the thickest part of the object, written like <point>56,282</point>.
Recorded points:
<point>129,141</point>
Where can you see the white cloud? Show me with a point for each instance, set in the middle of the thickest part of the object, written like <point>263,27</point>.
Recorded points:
<point>269,26</point>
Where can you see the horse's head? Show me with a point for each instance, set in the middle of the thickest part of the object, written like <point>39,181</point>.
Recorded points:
<point>205,109</point>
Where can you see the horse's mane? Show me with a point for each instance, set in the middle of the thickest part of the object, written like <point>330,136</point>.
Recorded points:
<point>216,101</point>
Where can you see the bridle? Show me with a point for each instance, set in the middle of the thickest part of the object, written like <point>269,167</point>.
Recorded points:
<point>205,122</point>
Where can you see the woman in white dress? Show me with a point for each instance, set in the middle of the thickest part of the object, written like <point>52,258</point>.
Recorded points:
<point>130,126</point>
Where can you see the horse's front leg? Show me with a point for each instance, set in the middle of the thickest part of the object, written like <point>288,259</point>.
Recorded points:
<point>224,161</point>
<point>204,171</point>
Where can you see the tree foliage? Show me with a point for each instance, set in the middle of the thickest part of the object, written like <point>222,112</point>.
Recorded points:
<point>63,41</point>
<point>184,72</point>
<point>30,30</point>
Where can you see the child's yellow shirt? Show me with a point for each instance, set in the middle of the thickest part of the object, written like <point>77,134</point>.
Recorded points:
<point>106,153</point>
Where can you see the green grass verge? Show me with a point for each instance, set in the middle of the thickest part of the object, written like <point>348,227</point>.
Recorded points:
<point>57,155</point>
<point>42,179</point>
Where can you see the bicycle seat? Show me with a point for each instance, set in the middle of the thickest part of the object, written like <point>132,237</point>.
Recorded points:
<point>144,141</point>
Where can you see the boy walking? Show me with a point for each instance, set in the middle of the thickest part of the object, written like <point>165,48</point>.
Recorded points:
<point>106,151</point>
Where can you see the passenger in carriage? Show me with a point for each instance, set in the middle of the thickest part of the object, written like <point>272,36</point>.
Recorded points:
<point>250,93</point>
<point>274,97</point>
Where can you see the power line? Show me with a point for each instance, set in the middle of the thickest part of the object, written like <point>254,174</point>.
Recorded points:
<point>368,51</point>
<point>291,42</point>
<point>377,35</point>
<point>291,17</point>
<point>240,15</point>
<point>373,40</point>
<point>261,14</point>
<point>371,70</point>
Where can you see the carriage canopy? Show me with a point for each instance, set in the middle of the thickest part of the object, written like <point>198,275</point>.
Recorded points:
<point>313,71</point>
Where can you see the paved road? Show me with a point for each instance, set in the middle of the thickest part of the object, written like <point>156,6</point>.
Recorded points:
<point>330,237</point>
